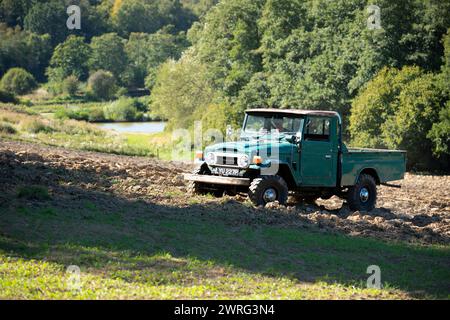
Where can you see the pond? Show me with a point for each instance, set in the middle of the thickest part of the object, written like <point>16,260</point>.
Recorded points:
<point>134,127</point>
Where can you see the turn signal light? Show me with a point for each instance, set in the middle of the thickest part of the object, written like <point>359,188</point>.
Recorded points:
<point>257,160</point>
<point>199,155</point>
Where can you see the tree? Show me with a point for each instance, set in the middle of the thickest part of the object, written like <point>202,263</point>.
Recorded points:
<point>70,85</point>
<point>25,50</point>
<point>182,91</point>
<point>13,12</point>
<point>102,85</point>
<point>18,81</point>
<point>48,17</point>
<point>108,53</point>
<point>398,109</point>
<point>137,16</point>
<point>440,134</point>
<point>70,58</point>
<point>419,104</point>
<point>376,103</point>
<point>146,52</point>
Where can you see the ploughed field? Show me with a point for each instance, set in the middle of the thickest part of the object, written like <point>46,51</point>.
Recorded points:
<point>130,226</point>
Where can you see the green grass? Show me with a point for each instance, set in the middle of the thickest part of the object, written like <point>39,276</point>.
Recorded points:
<point>33,193</point>
<point>129,250</point>
<point>24,124</point>
<point>158,144</point>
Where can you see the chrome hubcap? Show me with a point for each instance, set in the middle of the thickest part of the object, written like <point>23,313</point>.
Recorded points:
<point>364,195</point>
<point>270,195</point>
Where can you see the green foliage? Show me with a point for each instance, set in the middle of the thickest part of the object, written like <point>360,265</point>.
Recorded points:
<point>108,53</point>
<point>400,109</point>
<point>48,17</point>
<point>124,109</point>
<point>102,85</point>
<point>376,103</point>
<point>7,128</point>
<point>35,126</point>
<point>149,16</point>
<point>314,54</point>
<point>440,133</point>
<point>181,90</point>
<point>80,114</point>
<point>18,81</point>
<point>146,52</point>
<point>13,12</point>
<point>7,97</point>
<point>25,50</point>
<point>70,85</point>
<point>70,58</point>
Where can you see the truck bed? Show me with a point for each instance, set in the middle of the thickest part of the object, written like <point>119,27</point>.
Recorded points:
<point>389,165</point>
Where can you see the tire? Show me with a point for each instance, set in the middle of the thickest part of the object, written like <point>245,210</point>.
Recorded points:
<point>263,186</point>
<point>198,188</point>
<point>195,187</point>
<point>363,195</point>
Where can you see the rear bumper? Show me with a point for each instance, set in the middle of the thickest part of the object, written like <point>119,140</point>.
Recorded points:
<point>218,180</point>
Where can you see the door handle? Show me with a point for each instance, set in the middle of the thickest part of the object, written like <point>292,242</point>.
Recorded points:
<point>327,156</point>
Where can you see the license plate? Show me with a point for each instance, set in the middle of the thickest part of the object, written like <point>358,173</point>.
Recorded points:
<point>225,171</point>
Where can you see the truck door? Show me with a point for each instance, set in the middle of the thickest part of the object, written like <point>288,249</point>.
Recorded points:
<point>318,154</point>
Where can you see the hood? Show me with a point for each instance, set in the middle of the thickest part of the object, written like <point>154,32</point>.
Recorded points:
<point>251,147</point>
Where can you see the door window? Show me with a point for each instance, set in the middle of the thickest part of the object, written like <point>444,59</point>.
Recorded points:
<point>318,129</point>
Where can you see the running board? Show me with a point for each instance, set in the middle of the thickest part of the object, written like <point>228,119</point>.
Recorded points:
<point>391,185</point>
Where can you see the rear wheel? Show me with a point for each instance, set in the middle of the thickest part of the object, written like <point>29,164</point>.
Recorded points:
<point>265,189</point>
<point>363,195</point>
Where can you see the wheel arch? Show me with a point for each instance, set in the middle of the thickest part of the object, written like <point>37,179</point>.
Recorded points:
<point>371,172</point>
<point>285,172</point>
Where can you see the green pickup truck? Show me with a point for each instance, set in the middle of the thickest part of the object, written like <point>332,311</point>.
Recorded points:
<point>299,152</point>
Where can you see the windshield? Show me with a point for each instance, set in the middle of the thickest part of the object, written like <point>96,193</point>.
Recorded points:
<point>267,123</point>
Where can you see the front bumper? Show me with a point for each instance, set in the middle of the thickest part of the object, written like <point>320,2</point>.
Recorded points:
<point>218,180</point>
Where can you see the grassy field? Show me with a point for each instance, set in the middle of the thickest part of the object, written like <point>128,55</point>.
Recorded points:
<point>173,245</point>
<point>142,251</point>
<point>23,125</point>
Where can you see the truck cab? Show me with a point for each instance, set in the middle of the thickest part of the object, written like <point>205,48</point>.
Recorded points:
<point>298,152</point>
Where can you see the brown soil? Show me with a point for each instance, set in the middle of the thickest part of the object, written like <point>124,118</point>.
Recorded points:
<point>418,212</point>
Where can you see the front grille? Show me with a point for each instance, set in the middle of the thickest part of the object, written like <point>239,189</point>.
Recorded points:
<point>227,161</point>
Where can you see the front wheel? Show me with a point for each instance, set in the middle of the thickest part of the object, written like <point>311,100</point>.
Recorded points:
<point>363,195</point>
<point>198,188</point>
<point>195,187</point>
<point>265,189</point>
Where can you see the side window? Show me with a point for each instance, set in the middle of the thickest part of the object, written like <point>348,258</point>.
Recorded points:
<point>317,129</point>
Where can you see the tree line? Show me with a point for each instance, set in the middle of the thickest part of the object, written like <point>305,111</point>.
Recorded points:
<point>206,60</point>
<point>320,54</point>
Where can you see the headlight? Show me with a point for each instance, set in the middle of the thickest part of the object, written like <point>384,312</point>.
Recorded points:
<point>210,158</point>
<point>243,161</point>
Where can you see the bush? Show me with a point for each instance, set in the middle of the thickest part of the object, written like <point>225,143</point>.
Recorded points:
<point>35,126</point>
<point>102,85</point>
<point>123,109</point>
<point>70,85</point>
<point>7,128</point>
<point>96,115</point>
<point>7,97</point>
<point>18,81</point>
